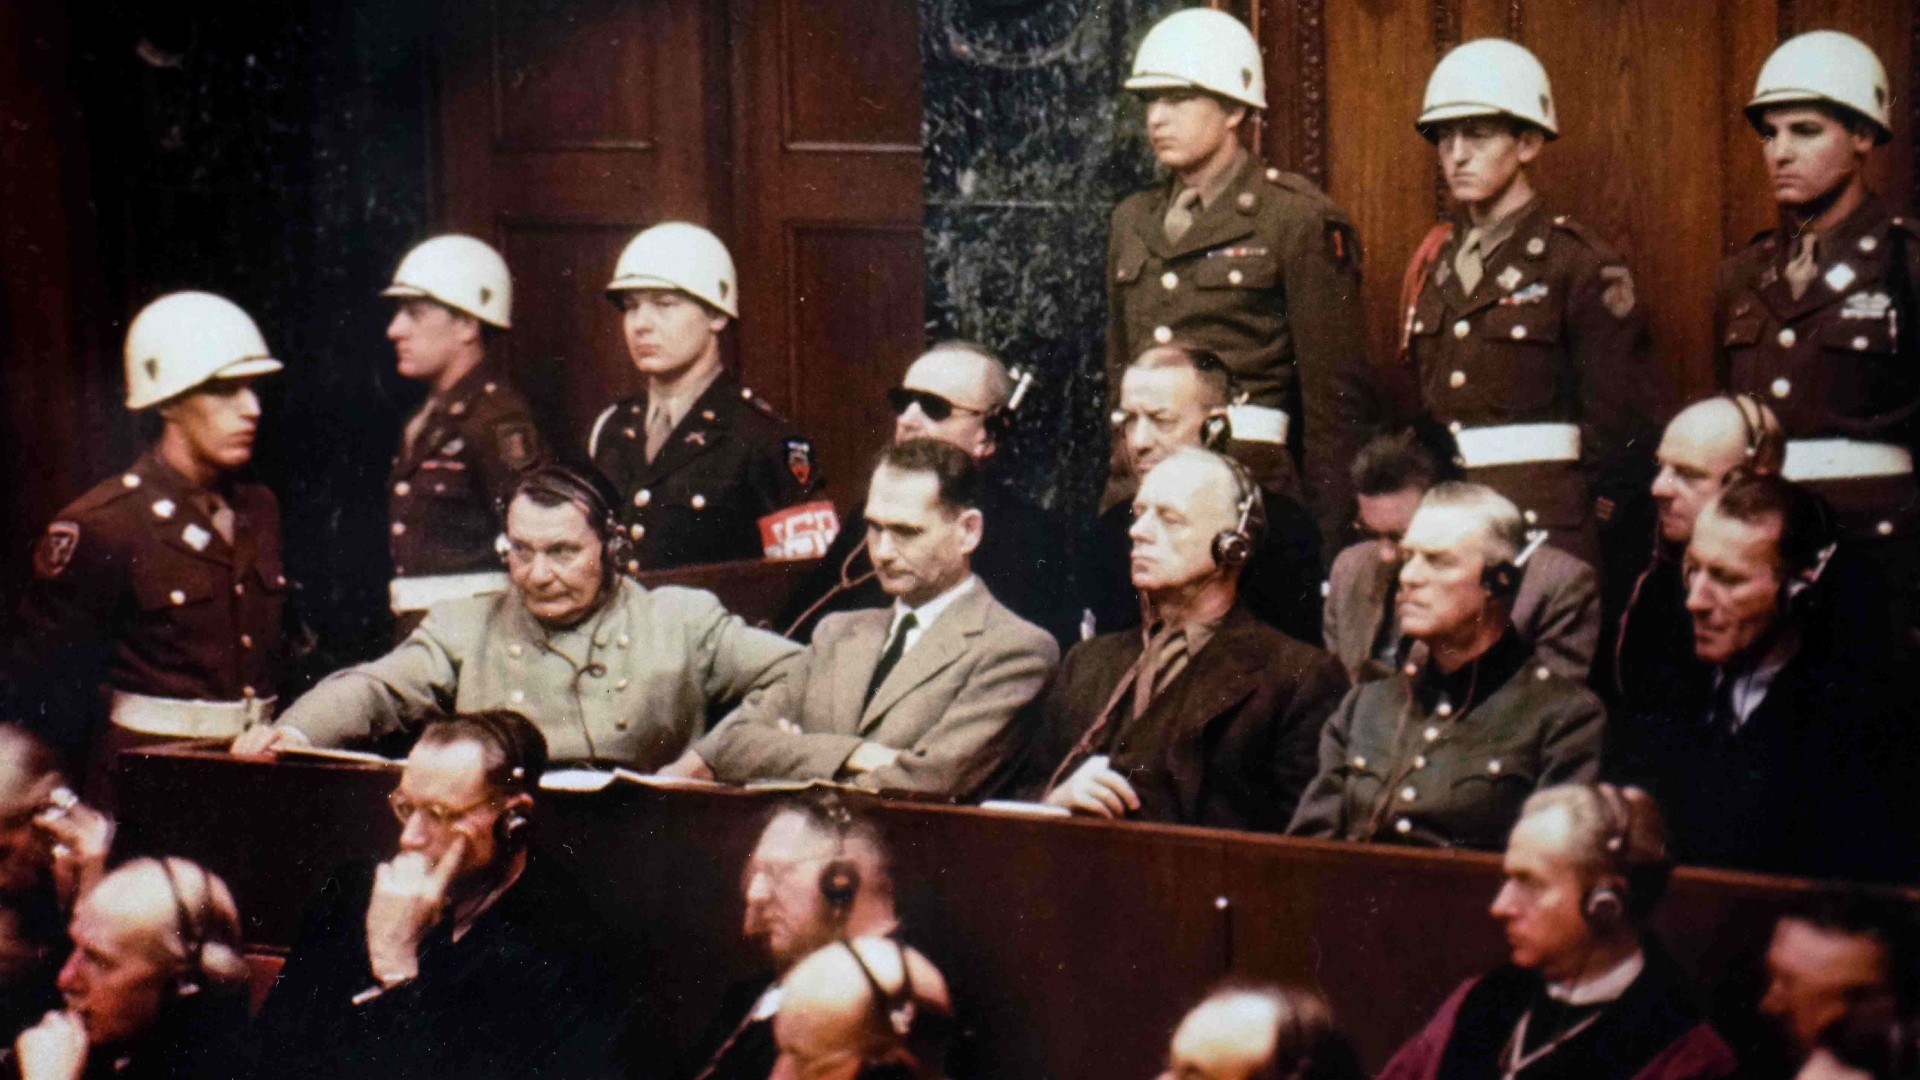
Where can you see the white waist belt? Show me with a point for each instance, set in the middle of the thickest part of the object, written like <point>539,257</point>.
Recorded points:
<point>1844,459</point>
<point>1517,444</point>
<point>186,718</point>
<point>1258,423</point>
<point>406,594</point>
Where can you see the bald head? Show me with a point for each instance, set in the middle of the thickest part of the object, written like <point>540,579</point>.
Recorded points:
<point>830,1024</point>
<point>1701,446</point>
<point>971,383</point>
<point>28,775</point>
<point>1183,503</point>
<point>137,899</point>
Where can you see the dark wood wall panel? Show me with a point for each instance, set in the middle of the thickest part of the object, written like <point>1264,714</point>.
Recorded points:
<point>1654,155</point>
<point>827,195</point>
<point>575,359</point>
<point>601,97</point>
<point>564,129</point>
<point>853,313</point>
<point>843,72</point>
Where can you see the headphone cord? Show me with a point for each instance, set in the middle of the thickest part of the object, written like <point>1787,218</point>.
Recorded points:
<point>580,671</point>
<point>844,585</point>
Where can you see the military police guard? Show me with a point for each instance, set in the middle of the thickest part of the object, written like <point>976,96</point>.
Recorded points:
<point>1817,316</point>
<point>697,458</point>
<point>460,450</point>
<point>1522,326</point>
<point>172,567</point>
<point>1252,263</point>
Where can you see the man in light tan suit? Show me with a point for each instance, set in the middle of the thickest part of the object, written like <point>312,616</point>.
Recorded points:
<point>901,697</point>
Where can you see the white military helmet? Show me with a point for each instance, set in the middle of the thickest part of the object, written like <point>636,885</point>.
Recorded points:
<point>1828,66</point>
<point>463,273</point>
<point>1489,77</point>
<point>677,255</point>
<point>1202,49</point>
<point>184,339</point>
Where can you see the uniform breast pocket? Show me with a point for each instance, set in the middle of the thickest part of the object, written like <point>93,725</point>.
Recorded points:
<point>1862,358</point>
<point>186,587</point>
<point>1237,272</point>
<point>1486,795</point>
<point>1521,347</point>
<point>444,478</point>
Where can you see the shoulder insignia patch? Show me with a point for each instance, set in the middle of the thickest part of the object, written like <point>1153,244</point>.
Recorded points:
<point>516,444</point>
<point>1342,246</point>
<point>800,460</point>
<point>1618,296</point>
<point>55,550</point>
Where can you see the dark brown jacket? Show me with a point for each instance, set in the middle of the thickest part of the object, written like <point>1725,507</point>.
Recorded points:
<point>444,493</point>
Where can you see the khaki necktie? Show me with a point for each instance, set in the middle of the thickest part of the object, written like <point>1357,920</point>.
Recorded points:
<point>1469,264</point>
<point>417,425</point>
<point>220,514</point>
<point>1180,215</point>
<point>659,426</point>
<point>1170,659</point>
<point>1803,267</point>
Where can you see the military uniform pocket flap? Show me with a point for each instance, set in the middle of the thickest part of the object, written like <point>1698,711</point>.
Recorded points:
<point>1535,323</point>
<point>1480,772</point>
<point>175,586</point>
<point>1236,272</point>
<point>1859,334</point>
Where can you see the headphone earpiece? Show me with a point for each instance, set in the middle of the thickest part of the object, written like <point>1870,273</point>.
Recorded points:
<point>1233,547</point>
<point>839,886</point>
<point>1216,433</point>
<point>1606,904</point>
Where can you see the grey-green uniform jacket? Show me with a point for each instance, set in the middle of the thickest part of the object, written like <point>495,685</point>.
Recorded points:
<point>632,685</point>
<point>1442,776</point>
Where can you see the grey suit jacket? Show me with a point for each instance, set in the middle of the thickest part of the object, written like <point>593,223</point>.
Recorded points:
<point>1557,610</point>
<point>957,687</point>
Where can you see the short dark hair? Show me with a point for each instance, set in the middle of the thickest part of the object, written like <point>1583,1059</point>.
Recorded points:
<point>1216,378</point>
<point>953,468</point>
<point>1416,456</point>
<point>509,744</point>
<point>1805,529</point>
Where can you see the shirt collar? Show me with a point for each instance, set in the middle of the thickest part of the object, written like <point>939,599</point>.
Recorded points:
<point>1492,236</point>
<point>1750,686</point>
<point>926,613</point>
<point>1226,179</point>
<point>681,403</point>
<point>1604,987</point>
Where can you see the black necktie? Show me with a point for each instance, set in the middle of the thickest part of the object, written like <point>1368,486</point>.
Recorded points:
<point>891,657</point>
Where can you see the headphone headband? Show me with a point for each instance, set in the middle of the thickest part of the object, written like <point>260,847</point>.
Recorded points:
<point>193,940</point>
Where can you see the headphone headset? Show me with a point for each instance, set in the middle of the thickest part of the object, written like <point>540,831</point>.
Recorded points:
<point>1762,443</point>
<point>596,499</point>
<point>1629,857</point>
<point>1001,420</point>
<point>510,827</point>
<point>918,1034</point>
<point>1233,547</point>
<point>192,939</point>
<point>840,878</point>
<point>1502,579</point>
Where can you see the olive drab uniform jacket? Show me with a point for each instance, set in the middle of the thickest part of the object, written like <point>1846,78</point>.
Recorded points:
<point>1552,334</point>
<point>448,482</point>
<point>731,461</point>
<point>137,568</point>
<point>1840,362</point>
<point>1446,760</point>
<point>1268,277</point>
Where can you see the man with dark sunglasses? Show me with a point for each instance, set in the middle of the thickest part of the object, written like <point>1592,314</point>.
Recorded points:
<point>961,394</point>
<point>463,954</point>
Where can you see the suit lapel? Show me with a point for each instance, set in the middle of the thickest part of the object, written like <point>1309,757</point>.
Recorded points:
<point>940,646</point>
<point>1215,681</point>
<point>854,661</point>
<point>173,512</point>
